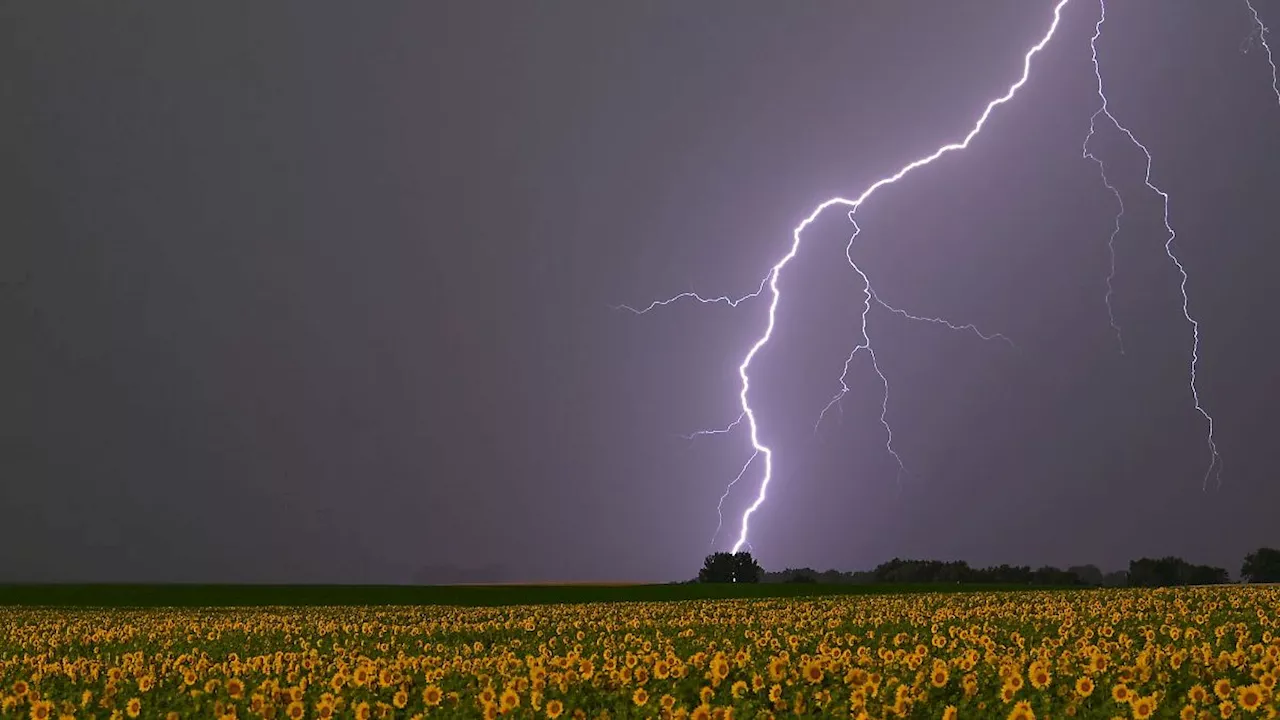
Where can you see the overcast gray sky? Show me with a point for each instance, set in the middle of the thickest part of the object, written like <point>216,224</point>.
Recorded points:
<point>321,291</point>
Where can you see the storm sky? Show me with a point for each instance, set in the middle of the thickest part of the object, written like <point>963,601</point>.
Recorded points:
<point>303,292</point>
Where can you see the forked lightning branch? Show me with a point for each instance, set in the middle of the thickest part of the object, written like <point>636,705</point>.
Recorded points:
<point>761,456</point>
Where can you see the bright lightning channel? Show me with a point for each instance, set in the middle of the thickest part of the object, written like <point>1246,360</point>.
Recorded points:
<point>853,206</point>
<point>865,344</point>
<point>1111,241</point>
<point>1261,33</point>
<point>872,296</point>
<point>771,280</point>
<point>729,487</point>
<point>1215,460</point>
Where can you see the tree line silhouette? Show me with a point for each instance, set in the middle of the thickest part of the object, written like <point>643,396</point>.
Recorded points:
<point>1260,566</point>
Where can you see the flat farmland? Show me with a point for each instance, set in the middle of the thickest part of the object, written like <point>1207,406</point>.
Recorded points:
<point>1190,653</point>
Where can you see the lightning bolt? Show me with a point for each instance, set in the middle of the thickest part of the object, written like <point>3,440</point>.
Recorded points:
<point>775,273</point>
<point>720,505</point>
<point>872,296</point>
<point>772,278</point>
<point>853,206</point>
<point>1102,170</point>
<point>865,344</point>
<point>716,431</point>
<point>940,321</point>
<point>1215,460</point>
<point>1261,31</point>
<point>723,299</point>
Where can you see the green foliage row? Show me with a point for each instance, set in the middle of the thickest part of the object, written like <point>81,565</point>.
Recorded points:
<point>1260,566</point>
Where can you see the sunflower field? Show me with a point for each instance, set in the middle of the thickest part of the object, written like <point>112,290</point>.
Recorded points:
<point>1167,653</point>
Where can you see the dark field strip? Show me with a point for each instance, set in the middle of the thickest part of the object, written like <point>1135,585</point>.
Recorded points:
<point>190,595</point>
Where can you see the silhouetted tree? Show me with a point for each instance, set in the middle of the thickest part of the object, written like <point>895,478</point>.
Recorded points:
<point>909,571</point>
<point>1088,574</point>
<point>717,568</point>
<point>1261,566</point>
<point>885,571</point>
<point>807,575</point>
<point>723,567</point>
<point>1005,575</point>
<point>954,572</point>
<point>898,570</point>
<point>1118,578</point>
<point>1170,571</point>
<point>745,568</point>
<point>1206,575</point>
<point>1148,572</point>
<point>831,577</point>
<point>1049,575</point>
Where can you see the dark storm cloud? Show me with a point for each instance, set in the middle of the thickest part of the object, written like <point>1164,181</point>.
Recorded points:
<point>322,292</point>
